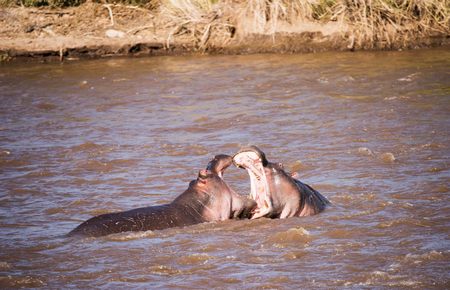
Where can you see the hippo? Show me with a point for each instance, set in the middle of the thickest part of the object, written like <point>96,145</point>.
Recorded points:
<point>207,199</point>
<point>277,193</point>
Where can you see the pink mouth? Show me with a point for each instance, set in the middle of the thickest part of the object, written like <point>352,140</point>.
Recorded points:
<point>259,187</point>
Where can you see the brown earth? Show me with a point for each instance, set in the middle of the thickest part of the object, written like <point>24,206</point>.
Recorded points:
<point>97,30</point>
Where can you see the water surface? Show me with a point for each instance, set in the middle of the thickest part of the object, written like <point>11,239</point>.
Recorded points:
<point>369,130</point>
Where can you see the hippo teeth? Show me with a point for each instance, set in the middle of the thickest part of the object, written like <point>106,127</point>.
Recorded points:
<point>259,188</point>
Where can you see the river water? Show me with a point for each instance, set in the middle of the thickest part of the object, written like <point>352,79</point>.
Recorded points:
<point>369,130</point>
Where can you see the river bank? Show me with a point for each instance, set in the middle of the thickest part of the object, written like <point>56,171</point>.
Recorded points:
<point>227,27</point>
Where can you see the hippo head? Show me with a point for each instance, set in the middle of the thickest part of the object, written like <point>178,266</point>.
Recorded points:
<point>254,161</point>
<point>276,192</point>
<point>219,163</point>
<point>218,201</point>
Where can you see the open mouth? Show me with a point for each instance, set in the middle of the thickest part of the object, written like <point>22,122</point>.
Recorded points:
<point>252,161</point>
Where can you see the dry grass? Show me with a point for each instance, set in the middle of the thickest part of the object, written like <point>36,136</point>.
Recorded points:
<point>365,23</point>
<point>393,23</point>
<point>197,18</point>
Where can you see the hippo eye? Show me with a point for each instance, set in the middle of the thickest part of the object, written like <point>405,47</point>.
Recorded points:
<point>203,174</point>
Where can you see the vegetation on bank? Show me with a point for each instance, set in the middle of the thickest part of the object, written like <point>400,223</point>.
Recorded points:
<point>363,23</point>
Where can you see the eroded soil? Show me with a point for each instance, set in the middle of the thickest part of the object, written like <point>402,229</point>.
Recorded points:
<point>97,30</point>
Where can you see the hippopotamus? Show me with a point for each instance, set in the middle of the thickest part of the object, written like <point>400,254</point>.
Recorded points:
<point>277,193</point>
<point>207,199</point>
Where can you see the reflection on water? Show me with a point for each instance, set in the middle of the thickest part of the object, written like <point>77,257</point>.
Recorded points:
<point>368,130</point>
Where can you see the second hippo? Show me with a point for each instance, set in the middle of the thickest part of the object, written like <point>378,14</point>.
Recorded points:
<point>277,193</point>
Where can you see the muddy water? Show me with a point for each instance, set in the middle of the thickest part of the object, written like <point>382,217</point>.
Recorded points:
<point>368,130</point>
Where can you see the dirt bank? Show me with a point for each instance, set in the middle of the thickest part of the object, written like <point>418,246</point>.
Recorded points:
<point>99,30</point>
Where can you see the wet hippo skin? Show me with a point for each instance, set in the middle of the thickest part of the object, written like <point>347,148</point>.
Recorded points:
<point>277,193</point>
<point>207,199</point>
